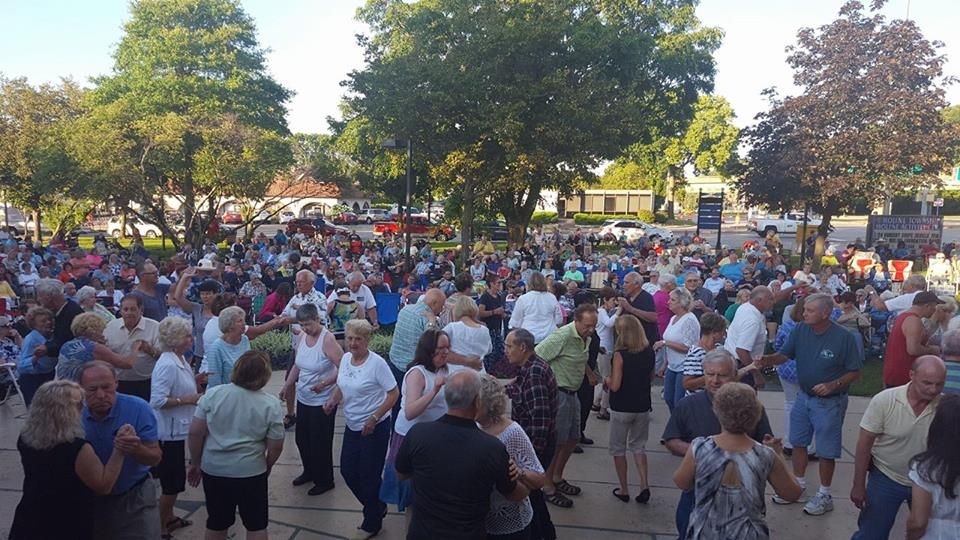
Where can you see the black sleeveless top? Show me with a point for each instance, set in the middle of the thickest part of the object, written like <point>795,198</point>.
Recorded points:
<point>634,393</point>
<point>56,504</point>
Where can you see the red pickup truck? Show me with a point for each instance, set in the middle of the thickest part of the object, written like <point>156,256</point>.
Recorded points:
<point>419,226</point>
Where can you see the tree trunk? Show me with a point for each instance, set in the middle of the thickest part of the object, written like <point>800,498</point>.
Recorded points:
<point>518,212</point>
<point>823,231</point>
<point>37,227</point>
<point>466,222</point>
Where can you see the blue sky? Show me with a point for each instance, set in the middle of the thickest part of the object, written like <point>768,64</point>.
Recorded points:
<point>312,45</point>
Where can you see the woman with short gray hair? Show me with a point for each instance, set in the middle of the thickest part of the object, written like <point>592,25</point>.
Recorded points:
<point>537,310</point>
<point>173,395</point>
<point>227,348</point>
<point>682,332</point>
<point>507,519</point>
<point>87,298</point>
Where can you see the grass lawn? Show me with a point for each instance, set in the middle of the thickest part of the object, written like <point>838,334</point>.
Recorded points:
<point>153,245</point>
<point>871,379</point>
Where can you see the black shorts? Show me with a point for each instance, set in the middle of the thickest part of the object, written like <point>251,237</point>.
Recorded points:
<point>226,495</point>
<point>172,469</point>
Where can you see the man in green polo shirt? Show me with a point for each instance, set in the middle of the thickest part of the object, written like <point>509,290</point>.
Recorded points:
<point>565,351</point>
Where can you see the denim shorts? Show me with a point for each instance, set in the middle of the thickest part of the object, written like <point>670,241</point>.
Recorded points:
<point>568,417</point>
<point>820,417</point>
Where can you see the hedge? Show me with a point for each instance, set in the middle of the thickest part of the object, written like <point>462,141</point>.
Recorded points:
<point>597,219</point>
<point>539,218</point>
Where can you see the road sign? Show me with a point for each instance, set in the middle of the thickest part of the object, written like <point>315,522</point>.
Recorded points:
<point>938,202</point>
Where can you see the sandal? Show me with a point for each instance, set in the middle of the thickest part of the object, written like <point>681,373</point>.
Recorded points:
<point>557,499</point>
<point>624,498</point>
<point>594,407</point>
<point>289,421</point>
<point>177,523</point>
<point>567,488</point>
<point>644,496</point>
<point>603,416</point>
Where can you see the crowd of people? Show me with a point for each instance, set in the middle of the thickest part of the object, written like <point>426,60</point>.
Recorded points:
<point>131,364</point>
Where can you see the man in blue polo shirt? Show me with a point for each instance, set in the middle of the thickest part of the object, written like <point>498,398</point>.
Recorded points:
<point>130,510</point>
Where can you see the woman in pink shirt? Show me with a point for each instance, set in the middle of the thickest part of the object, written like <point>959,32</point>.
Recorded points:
<point>668,282</point>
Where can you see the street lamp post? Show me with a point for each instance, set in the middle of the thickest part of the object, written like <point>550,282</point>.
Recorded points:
<point>405,216</point>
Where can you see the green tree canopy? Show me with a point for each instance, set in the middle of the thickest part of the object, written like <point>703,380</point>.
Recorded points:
<point>36,170</point>
<point>867,124</point>
<point>505,98</point>
<point>190,110</point>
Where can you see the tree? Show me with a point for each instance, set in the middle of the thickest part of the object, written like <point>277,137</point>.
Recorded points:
<point>868,122</point>
<point>36,170</point>
<point>505,98</point>
<point>708,144</point>
<point>626,174</point>
<point>951,115</point>
<point>190,111</point>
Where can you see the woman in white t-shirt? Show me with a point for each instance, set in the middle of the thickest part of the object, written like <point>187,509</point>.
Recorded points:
<point>537,310</point>
<point>367,389</point>
<point>683,332</point>
<point>314,374</point>
<point>468,338</point>
<point>935,473</point>
<point>422,401</point>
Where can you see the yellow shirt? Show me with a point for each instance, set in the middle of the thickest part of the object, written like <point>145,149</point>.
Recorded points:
<point>900,434</point>
<point>484,246</point>
<point>828,260</point>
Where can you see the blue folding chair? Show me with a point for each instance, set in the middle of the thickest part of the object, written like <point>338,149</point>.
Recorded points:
<point>388,306</point>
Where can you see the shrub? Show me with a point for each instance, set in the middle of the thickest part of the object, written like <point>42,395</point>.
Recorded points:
<point>276,343</point>
<point>380,343</point>
<point>381,205</point>
<point>540,218</point>
<point>660,217</point>
<point>646,216</point>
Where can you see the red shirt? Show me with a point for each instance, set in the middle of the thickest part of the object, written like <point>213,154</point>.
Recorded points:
<point>896,360</point>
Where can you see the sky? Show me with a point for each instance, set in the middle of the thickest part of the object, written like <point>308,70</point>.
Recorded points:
<point>312,45</point>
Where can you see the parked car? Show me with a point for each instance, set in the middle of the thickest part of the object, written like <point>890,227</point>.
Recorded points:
<point>633,229</point>
<point>263,216</point>
<point>395,211</point>
<point>231,218</point>
<point>419,226</point>
<point>786,223</point>
<point>146,230</point>
<point>495,230</point>
<point>286,216</point>
<point>345,218</point>
<point>372,215</point>
<point>310,227</point>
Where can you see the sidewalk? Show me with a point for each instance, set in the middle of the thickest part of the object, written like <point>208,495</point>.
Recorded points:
<point>596,514</point>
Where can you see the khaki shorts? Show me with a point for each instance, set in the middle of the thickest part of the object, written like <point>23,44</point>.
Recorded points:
<point>628,432</point>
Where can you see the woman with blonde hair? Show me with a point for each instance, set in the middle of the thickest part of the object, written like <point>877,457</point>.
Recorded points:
<point>682,332</point>
<point>89,344</point>
<point>173,395</point>
<point>731,471</point>
<point>507,519</point>
<point>228,347</point>
<point>631,372</point>
<point>468,337</point>
<point>61,471</point>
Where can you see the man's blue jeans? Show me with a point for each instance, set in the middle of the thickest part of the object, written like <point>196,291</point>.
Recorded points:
<point>884,497</point>
<point>684,509</point>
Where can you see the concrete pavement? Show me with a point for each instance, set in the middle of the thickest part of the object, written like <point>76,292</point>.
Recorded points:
<point>595,515</point>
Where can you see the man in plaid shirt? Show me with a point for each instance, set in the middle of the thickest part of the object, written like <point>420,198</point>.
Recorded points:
<point>533,394</point>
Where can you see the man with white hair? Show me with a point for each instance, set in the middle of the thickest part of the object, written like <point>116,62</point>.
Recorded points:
<point>913,284</point>
<point>362,295</point>
<point>50,295</point>
<point>747,335</point>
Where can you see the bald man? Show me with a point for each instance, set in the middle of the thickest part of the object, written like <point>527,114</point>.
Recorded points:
<point>893,430</point>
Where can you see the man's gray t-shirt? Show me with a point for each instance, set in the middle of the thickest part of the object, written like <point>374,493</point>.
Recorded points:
<point>822,358</point>
<point>694,417</point>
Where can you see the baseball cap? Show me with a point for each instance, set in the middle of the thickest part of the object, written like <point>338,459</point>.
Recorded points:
<point>926,297</point>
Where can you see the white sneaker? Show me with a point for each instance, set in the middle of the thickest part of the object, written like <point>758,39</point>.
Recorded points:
<point>819,505</point>
<point>803,498</point>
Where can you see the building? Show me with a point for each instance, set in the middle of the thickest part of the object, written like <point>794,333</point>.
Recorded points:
<point>597,201</point>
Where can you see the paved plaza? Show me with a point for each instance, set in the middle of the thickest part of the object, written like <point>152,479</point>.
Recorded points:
<point>595,515</point>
